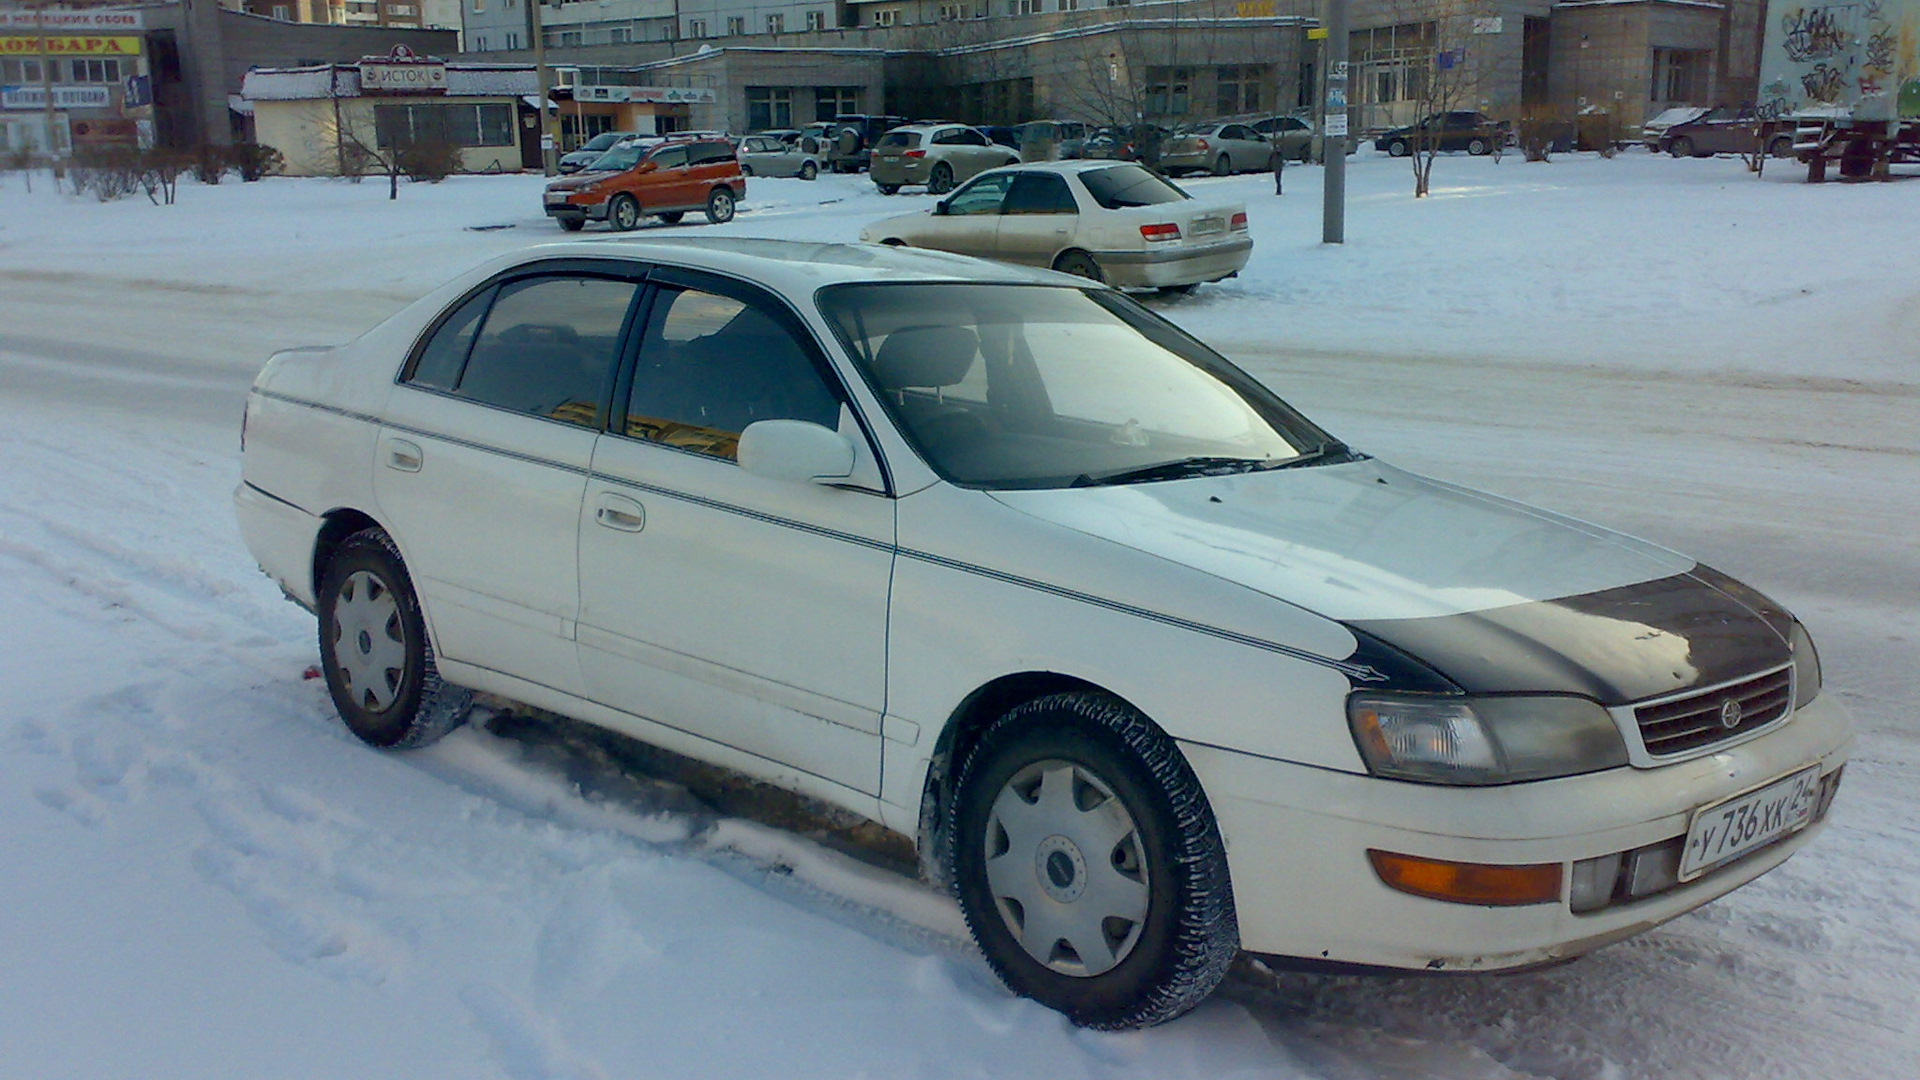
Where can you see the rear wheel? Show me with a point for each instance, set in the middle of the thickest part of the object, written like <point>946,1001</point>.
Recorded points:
<point>571,224</point>
<point>940,181</point>
<point>671,217</point>
<point>374,650</point>
<point>1781,146</point>
<point>1222,165</point>
<point>1397,148</point>
<point>623,213</point>
<point>720,206</point>
<point>1479,147</point>
<point>808,170</point>
<point>1089,865</point>
<point>1079,264</point>
<point>746,170</point>
<point>888,189</point>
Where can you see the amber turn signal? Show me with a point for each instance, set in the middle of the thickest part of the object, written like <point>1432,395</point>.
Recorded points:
<point>1469,883</point>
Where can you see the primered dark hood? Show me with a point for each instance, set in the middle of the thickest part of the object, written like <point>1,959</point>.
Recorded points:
<point>1495,596</point>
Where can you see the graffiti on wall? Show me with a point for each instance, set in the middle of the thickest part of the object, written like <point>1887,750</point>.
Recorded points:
<point>1859,57</point>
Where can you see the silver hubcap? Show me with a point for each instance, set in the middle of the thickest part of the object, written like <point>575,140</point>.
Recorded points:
<point>723,206</point>
<point>369,643</point>
<point>625,214</point>
<point>1066,868</point>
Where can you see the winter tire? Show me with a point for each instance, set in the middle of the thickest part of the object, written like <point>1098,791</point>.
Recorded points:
<point>623,213</point>
<point>1089,865</point>
<point>940,180</point>
<point>1681,147</point>
<point>888,189</point>
<point>1479,147</point>
<point>746,170</point>
<point>1223,166</point>
<point>671,217</point>
<point>720,206</point>
<point>1079,264</point>
<point>374,649</point>
<point>571,224</point>
<point>808,170</point>
<point>1397,148</point>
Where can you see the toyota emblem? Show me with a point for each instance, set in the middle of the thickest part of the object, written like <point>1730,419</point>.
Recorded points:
<point>1730,714</point>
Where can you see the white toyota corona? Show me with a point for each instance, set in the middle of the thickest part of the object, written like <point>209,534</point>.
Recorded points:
<point>1151,668</point>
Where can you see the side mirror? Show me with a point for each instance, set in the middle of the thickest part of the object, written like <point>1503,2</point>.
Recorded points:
<point>795,450</point>
<point>940,208</point>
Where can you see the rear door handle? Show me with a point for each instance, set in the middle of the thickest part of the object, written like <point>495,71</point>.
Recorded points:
<point>620,512</point>
<point>403,455</point>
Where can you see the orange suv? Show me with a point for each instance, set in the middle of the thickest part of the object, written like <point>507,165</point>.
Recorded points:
<point>635,179</point>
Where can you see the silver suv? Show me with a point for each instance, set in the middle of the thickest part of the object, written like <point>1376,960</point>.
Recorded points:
<point>937,155</point>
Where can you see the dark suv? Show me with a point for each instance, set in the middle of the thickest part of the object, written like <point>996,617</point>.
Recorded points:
<point>852,138</point>
<point>1474,132</point>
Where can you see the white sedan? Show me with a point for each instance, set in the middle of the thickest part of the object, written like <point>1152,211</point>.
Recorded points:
<point>1116,222</point>
<point>1150,667</point>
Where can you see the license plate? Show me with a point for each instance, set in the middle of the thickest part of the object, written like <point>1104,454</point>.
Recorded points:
<point>1207,226</point>
<point>1729,829</point>
<point>556,200</point>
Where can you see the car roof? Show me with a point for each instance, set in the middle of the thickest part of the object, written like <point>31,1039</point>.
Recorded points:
<point>1071,167</point>
<point>795,267</point>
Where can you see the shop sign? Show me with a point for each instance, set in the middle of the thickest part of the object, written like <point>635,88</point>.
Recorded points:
<point>68,45</point>
<point>64,97</point>
<point>71,20</point>
<point>666,95</point>
<point>403,72</point>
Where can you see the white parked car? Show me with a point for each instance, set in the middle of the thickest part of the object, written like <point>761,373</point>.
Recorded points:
<point>1150,667</point>
<point>764,155</point>
<point>1116,222</point>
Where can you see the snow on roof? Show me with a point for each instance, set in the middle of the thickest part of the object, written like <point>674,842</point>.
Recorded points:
<point>343,80</point>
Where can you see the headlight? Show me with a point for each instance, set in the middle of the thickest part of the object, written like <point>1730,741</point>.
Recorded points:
<point>1806,666</point>
<point>1482,740</point>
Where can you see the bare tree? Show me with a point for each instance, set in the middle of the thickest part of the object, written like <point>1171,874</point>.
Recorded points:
<point>1455,64</point>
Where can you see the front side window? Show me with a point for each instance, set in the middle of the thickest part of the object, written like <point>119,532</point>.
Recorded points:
<point>983,196</point>
<point>710,364</point>
<point>1021,386</point>
<point>546,347</point>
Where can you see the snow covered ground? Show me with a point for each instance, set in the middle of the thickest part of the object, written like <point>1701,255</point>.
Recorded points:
<point>202,875</point>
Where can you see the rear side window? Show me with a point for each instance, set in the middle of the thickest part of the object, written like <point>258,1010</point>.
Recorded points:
<point>669,157</point>
<point>1129,185</point>
<point>547,347</point>
<point>445,353</point>
<point>708,153</point>
<point>1039,193</point>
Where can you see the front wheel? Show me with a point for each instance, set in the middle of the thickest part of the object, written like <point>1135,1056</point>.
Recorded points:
<point>720,206</point>
<point>1681,147</point>
<point>940,181</point>
<point>671,217</point>
<point>624,213</point>
<point>808,170</point>
<point>571,224</point>
<point>1781,147</point>
<point>1479,147</point>
<point>888,189</point>
<point>1397,148</point>
<point>1089,865</point>
<point>374,650</point>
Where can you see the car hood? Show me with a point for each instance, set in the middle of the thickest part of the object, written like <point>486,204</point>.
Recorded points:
<point>579,180</point>
<point>1495,596</point>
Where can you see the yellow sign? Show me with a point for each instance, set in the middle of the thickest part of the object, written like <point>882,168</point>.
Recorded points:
<point>1256,9</point>
<point>71,45</point>
<point>1318,33</point>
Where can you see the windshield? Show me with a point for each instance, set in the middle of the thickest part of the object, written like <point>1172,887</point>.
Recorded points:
<point>1129,185</point>
<point>618,159</point>
<point>1032,386</point>
<point>603,140</point>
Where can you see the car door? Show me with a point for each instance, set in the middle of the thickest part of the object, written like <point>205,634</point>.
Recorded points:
<point>483,457</point>
<point>1247,150</point>
<point>967,222</point>
<point>742,609</point>
<point>671,185</point>
<point>1037,218</point>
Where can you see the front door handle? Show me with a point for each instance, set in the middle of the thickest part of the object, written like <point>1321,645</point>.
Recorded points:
<point>620,512</point>
<point>403,455</point>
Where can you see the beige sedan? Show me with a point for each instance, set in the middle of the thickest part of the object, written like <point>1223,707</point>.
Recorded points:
<point>1116,222</point>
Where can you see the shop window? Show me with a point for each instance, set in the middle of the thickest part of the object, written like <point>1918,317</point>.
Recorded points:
<point>461,125</point>
<point>769,107</point>
<point>1169,91</point>
<point>13,72</point>
<point>96,71</point>
<point>1237,88</point>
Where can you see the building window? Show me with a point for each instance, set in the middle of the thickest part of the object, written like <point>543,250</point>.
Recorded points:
<point>480,43</point>
<point>952,12</point>
<point>513,40</point>
<point>402,9</point>
<point>461,125</point>
<point>776,24</point>
<point>19,71</point>
<point>563,38</point>
<point>1024,7</point>
<point>1238,88</point>
<point>283,12</point>
<point>769,107</point>
<point>96,71</point>
<point>1169,90</point>
<point>1680,75</point>
<point>736,25</point>
<point>816,20</point>
<point>620,35</point>
<point>832,101</point>
<point>886,16</point>
<point>1069,5</point>
<point>696,28</point>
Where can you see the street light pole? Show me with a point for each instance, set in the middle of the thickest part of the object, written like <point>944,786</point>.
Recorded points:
<point>549,138</point>
<point>46,88</point>
<point>1333,132</point>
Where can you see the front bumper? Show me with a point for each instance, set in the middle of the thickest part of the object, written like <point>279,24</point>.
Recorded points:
<point>591,211</point>
<point>1297,841</point>
<point>1185,264</point>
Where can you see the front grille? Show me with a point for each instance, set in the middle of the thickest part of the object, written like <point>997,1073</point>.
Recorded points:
<point>1677,725</point>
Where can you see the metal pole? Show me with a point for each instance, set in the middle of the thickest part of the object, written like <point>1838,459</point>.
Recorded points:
<point>46,87</point>
<point>549,135</point>
<point>1333,139</point>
